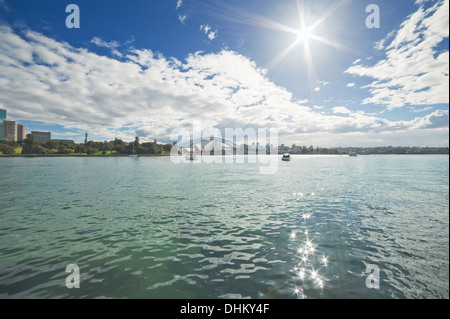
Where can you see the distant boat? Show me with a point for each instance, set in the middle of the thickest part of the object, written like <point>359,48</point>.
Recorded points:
<point>353,154</point>
<point>286,157</point>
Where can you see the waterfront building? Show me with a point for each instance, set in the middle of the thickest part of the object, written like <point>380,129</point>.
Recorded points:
<point>41,137</point>
<point>9,130</point>
<point>2,118</point>
<point>21,132</point>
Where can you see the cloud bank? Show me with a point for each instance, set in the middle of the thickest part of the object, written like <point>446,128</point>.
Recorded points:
<point>147,93</point>
<point>415,70</point>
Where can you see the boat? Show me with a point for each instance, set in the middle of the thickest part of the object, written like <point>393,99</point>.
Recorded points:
<point>353,154</point>
<point>286,157</point>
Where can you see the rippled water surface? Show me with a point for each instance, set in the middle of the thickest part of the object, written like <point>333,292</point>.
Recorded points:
<point>147,228</point>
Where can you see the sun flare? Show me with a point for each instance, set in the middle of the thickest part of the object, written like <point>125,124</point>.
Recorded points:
<point>304,34</point>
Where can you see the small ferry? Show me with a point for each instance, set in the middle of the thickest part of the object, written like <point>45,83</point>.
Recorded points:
<point>286,157</point>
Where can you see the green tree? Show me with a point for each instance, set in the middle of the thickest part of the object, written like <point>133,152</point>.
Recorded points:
<point>80,148</point>
<point>5,148</point>
<point>39,149</point>
<point>51,145</point>
<point>151,148</point>
<point>91,150</point>
<point>28,145</point>
<point>107,146</point>
<point>167,148</point>
<point>64,150</point>
<point>120,146</point>
<point>136,144</point>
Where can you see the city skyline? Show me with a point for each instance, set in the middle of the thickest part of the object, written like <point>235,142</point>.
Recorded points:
<point>11,130</point>
<point>312,70</point>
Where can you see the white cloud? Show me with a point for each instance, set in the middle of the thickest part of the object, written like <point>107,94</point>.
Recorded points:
<point>324,83</point>
<point>380,45</point>
<point>350,85</point>
<point>340,110</point>
<point>113,45</point>
<point>151,94</point>
<point>182,18</point>
<point>424,109</point>
<point>414,72</point>
<point>206,28</point>
<point>317,89</point>
<point>212,35</point>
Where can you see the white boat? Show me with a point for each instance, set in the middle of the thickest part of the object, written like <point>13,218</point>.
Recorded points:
<point>286,157</point>
<point>353,154</point>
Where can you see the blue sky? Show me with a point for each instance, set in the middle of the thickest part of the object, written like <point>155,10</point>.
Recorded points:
<point>146,67</point>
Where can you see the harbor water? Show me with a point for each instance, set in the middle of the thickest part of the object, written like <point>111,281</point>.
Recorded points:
<point>319,227</point>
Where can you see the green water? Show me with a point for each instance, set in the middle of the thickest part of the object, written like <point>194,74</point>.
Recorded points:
<point>148,228</point>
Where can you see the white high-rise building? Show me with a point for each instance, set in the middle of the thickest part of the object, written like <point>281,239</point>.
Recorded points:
<point>9,130</point>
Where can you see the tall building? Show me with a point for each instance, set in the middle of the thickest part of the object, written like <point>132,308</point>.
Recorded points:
<point>2,118</point>
<point>21,132</point>
<point>41,137</point>
<point>9,130</point>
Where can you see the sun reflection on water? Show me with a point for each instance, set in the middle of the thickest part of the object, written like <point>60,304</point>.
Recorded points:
<point>309,258</point>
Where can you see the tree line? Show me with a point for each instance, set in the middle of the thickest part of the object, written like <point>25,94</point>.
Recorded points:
<point>362,150</point>
<point>120,147</point>
<point>67,147</point>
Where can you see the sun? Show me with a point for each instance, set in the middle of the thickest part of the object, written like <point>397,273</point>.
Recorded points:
<point>304,34</point>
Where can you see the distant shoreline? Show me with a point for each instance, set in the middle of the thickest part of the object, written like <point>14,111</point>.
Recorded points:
<point>152,155</point>
<point>77,155</point>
